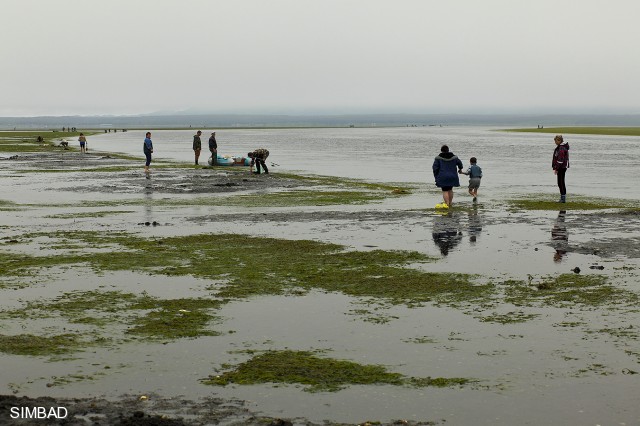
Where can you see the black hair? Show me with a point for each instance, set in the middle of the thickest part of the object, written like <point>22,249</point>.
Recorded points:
<point>444,148</point>
<point>473,160</point>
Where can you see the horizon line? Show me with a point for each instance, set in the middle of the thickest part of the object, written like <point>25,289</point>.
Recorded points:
<point>249,114</point>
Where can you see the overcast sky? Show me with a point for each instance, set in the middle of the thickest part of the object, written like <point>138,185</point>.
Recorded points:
<point>90,57</point>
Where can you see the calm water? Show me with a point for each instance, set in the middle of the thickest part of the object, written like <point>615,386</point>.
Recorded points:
<point>512,162</point>
<point>563,366</point>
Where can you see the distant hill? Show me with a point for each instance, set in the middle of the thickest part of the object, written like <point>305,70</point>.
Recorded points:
<point>362,120</point>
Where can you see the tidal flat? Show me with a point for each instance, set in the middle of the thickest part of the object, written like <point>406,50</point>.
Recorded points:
<point>213,295</point>
<point>585,130</point>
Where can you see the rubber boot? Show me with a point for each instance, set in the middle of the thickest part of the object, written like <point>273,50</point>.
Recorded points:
<point>563,199</point>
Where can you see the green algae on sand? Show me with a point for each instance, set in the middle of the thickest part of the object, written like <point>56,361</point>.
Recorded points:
<point>29,344</point>
<point>550,202</point>
<point>174,318</point>
<point>92,214</point>
<point>268,266</point>
<point>585,130</point>
<point>570,290</point>
<point>318,374</point>
<point>289,198</point>
<point>139,316</point>
<point>20,142</point>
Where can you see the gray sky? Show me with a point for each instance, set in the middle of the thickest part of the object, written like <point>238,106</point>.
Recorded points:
<point>90,57</point>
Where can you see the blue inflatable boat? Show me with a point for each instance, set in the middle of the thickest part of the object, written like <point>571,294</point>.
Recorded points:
<point>228,160</point>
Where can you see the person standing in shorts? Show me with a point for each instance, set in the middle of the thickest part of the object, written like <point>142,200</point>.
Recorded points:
<point>475,174</point>
<point>444,171</point>
<point>83,143</point>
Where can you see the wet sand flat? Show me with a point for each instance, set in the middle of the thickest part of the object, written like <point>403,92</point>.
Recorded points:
<point>178,294</point>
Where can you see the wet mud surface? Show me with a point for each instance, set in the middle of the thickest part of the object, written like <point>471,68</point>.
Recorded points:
<point>115,175</point>
<point>528,327</point>
<point>146,411</point>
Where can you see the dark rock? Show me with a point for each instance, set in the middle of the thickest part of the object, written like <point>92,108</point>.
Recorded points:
<point>280,422</point>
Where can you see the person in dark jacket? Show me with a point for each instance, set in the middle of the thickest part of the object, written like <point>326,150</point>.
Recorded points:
<point>560,164</point>
<point>446,167</point>
<point>213,148</point>
<point>197,145</point>
<point>147,148</point>
<point>258,158</point>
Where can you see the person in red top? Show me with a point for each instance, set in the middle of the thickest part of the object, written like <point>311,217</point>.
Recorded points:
<point>560,164</point>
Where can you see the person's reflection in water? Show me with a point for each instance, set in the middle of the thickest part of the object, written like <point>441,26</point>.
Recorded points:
<point>445,232</point>
<point>560,237</point>
<point>148,207</point>
<point>475,224</point>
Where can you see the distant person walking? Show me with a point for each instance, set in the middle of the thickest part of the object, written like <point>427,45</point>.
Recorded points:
<point>83,143</point>
<point>213,148</point>
<point>148,150</point>
<point>444,171</point>
<point>197,145</point>
<point>560,165</point>
<point>258,158</point>
<point>475,174</point>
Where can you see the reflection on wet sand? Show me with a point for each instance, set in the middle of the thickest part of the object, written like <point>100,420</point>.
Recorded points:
<point>447,229</point>
<point>446,232</point>
<point>475,224</point>
<point>148,207</point>
<point>560,237</point>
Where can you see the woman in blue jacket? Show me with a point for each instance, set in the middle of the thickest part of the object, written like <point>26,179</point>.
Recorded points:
<point>446,167</point>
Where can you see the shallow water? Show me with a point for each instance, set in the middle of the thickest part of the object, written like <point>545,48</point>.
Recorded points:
<point>511,162</point>
<point>560,367</point>
<point>523,367</point>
